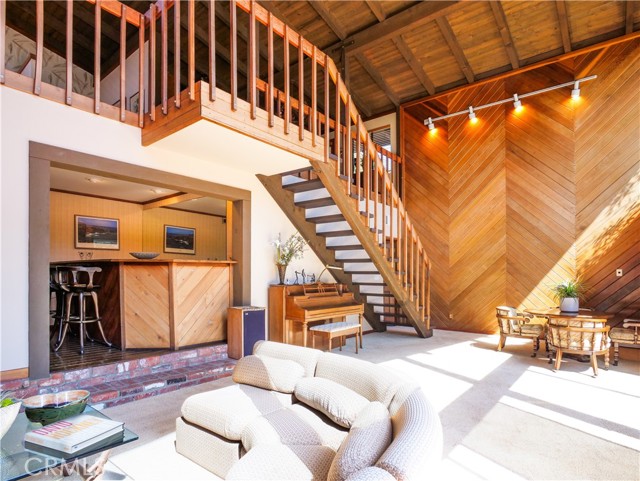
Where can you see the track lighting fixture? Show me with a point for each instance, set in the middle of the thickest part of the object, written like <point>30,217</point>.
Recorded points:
<point>516,99</point>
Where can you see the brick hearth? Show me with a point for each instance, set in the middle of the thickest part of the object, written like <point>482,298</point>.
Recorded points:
<point>122,382</point>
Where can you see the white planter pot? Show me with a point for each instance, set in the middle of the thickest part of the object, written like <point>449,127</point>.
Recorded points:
<point>570,304</point>
<point>8,415</point>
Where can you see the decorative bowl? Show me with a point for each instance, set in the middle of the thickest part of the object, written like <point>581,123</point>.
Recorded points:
<point>8,414</point>
<point>49,408</point>
<point>145,255</point>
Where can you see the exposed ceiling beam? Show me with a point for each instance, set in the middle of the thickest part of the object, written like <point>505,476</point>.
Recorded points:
<point>415,64</point>
<point>361,105</point>
<point>395,25</point>
<point>377,78</point>
<point>503,28</point>
<point>628,16</point>
<point>561,8</point>
<point>80,9</point>
<point>376,9</point>
<point>456,50</point>
<point>329,18</point>
<point>167,201</point>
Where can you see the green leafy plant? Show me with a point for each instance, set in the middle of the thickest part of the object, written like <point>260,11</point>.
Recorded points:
<point>290,249</point>
<point>570,288</point>
<point>7,402</point>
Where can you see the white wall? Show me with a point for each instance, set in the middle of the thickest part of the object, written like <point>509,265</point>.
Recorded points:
<point>234,162</point>
<point>110,85</point>
<point>389,119</point>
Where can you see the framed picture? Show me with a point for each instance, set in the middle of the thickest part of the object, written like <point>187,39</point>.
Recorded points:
<point>179,240</point>
<point>96,233</point>
<point>134,102</point>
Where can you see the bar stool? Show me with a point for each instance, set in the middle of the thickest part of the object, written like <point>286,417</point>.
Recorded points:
<point>81,286</point>
<point>58,286</point>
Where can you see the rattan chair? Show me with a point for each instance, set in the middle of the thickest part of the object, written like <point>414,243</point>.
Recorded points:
<point>586,338</point>
<point>517,324</point>
<point>628,334</point>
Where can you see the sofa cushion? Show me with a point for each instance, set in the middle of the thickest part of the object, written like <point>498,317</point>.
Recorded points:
<point>340,403</point>
<point>369,436</point>
<point>278,462</point>
<point>293,425</point>
<point>307,358</point>
<point>369,380</point>
<point>372,473</point>
<point>268,373</point>
<point>227,411</point>
<point>417,429</point>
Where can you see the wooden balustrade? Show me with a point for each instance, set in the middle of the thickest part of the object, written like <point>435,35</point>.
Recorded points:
<point>371,174</point>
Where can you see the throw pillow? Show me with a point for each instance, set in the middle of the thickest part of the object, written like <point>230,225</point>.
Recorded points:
<point>268,373</point>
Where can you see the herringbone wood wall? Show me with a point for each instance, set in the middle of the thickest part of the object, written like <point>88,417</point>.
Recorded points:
<point>519,202</point>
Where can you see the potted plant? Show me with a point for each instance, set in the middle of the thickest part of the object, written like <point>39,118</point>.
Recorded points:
<point>287,251</point>
<point>568,294</point>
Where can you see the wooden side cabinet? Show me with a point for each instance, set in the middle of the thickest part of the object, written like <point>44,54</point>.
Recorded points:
<point>245,326</point>
<point>276,312</point>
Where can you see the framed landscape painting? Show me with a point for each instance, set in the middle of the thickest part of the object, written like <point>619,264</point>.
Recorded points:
<point>96,233</point>
<point>179,240</point>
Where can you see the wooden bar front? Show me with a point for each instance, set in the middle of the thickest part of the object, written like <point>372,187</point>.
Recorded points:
<point>163,303</point>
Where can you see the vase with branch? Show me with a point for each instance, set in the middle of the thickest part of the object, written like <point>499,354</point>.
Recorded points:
<point>292,248</point>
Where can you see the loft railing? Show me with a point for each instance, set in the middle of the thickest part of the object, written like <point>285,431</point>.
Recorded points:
<point>320,109</point>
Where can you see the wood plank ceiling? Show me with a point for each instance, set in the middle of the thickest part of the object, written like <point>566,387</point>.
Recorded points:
<point>392,52</point>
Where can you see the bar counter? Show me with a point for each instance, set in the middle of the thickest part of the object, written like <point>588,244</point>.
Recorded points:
<point>162,303</point>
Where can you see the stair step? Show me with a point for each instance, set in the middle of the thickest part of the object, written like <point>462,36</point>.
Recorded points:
<point>373,294</point>
<point>305,186</point>
<point>297,171</point>
<point>324,219</point>
<point>364,214</point>
<point>353,247</point>
<point>312,203</point>
<point>391,315</point>
<point>354,260</point>
<point>335,233</point>
<point>369,283</point>
<point>383,304</point>
<point>361,272</point>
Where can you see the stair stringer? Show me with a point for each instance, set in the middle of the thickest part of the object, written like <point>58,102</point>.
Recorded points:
<point>349,208</point>
<point>297,216</point>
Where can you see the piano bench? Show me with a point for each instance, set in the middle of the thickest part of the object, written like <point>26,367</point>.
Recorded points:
<point>337,329</point>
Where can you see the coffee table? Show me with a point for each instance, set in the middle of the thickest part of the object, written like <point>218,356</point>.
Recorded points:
<point>17,462</point>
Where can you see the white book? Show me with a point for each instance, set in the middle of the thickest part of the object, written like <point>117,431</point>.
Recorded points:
<point>74,434</point>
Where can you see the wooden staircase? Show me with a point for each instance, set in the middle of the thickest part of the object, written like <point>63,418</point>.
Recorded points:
<point>344,233</point>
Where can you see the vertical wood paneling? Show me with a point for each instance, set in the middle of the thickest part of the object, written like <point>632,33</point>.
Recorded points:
<point>540,190</point>
<point>607,157</point>
<point>520,202</point>
<point>477,199</point>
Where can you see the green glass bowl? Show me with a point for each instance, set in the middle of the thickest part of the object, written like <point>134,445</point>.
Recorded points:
<point>49,408</point>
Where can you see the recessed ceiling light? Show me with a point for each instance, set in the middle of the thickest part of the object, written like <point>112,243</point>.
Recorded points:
<point>157,191</point>
<point>93,180</point>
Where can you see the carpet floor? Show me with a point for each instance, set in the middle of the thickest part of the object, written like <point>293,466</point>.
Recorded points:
<point>506,416</point>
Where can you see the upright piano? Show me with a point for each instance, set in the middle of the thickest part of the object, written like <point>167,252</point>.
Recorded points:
<point>305,304</point>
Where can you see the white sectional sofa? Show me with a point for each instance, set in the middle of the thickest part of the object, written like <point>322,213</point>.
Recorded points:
<point>296,413</point>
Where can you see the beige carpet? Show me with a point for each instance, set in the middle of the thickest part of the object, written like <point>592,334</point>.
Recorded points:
<point>506,416</point>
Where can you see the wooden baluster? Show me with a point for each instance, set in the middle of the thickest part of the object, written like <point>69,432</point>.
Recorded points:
<point>212,50</point>
<point>367,176</point>
<point>233,26</point>
<point>123,60</point>
<point>426,312</point>
<point>153,12</point>
<point>392,239</point>
<point>358,169</point>
<point>176,53</point>
<point>37,80</point>
<point>327,108</point>
<point>348,154</point>
<point>69,62</point>
<point>405,248</point>
<point>164,67</point>
<point>411,263</point>
<point>300,88</point>
<point>400,235</point>
<point>425,269</point>
<point>338,130</point>
<point>314,97</point>
<point>252,60</point>
<point>384,211</point>
<point>269,99</point>
<point>141,94</point>
<point>376,187</point>
<point>3,22</point>
<point>287,81</point>
<point>191,33</point>
<point>96,57</point>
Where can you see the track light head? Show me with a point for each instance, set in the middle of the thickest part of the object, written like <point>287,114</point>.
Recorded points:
<point>429,123</point>
<point>472,115</point>
<point>575,93</point>
<point>517,105</point>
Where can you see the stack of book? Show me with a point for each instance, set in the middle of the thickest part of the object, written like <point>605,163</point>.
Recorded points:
<point>73,435</point>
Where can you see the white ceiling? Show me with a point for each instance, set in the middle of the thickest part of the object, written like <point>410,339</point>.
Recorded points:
<point>99,186</point>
